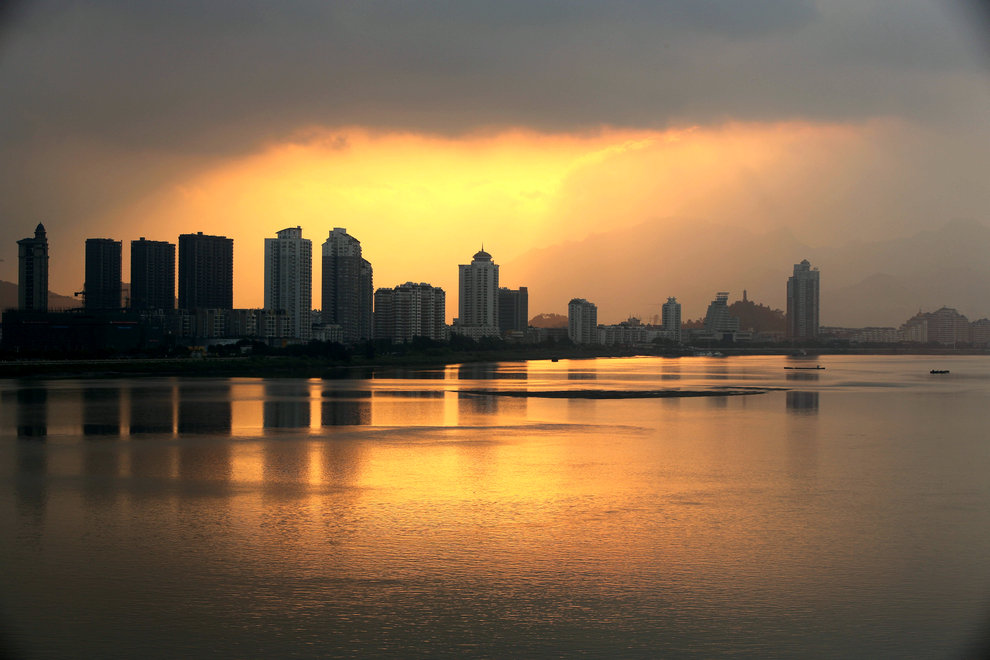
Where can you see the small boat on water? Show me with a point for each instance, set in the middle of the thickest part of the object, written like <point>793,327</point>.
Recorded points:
<point>814,368</point>
<point>939,371</point>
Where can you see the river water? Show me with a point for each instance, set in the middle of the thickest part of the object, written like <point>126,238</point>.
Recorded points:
<point>845,512</point>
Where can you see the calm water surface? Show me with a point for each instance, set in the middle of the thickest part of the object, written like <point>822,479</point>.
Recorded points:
<point>846,514</point>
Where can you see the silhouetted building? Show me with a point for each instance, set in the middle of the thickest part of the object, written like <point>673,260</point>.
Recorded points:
<point>366,297</point>
<point>102,288</point>
<point>206,271</point>
<point>152,275</point>
<point>410,310</point>
<point>289,279</point>
<point>802,302</point>
<point>513,309</point>
<point>347,286</point>
<point>477,304</point>
<point>670,314</point>
<point>32,271</point>
<point>717,318</point>
<point>582,321</point>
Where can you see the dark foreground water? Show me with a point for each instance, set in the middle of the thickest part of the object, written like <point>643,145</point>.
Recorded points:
<point>848,516</point>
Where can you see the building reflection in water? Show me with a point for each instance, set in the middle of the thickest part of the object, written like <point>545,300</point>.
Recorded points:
<point>152,409</point>
<point>718,401</point>
<point>285,463</point>
<point>405,373</point>
<point>204,407</point>
<point>30,482</point>
<point>802,402</point>
<point>477,371</point>
<point>32,412</point>
<point>101,410</point>
<point>583,372</point>
<point>101,426</point>
<point>805,376</point>
<point>671,370</point>
<point>471,406</point>
<point>345,408</point>
<point>205,411</point>
<point>286,404</point>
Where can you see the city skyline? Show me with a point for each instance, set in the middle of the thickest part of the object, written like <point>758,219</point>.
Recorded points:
<point>864,124</point>
<point>154,279</point>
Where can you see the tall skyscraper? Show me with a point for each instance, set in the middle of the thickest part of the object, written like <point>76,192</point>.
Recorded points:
<point>103,285</point>
<point>513,309</point>
<point>670,314</point>
<point>582,321</point>
<point>410,310</point>
<point>477,304</point>
<point>152,274</point>
<point>289,279</point>
<point>32,271</point>
<point>802,302</point>
<point>347,286</point>
<point>206,271</point>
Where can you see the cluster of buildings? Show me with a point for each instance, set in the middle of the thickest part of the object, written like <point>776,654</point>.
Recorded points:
<point>945,327</point>
<point>803,300</point>
<point>189,296</point>
<point>201,309</point>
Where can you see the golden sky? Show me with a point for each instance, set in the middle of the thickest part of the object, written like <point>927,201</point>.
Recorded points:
<point>422,204</point>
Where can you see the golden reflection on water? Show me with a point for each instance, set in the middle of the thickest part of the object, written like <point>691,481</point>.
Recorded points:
<point>418,487</point>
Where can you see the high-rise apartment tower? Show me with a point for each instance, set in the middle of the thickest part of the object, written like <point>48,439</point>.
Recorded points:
<point>152,274</point>
<point>410,310</point>
<point>513,309</point>
<point>582,321</point>
<point>32,271</point>
<point>670,315</point>
<point>289,279</point>
<point>802,302</point>
<point>347,286</point>
<point>103,285</point>
<point>206,271</point>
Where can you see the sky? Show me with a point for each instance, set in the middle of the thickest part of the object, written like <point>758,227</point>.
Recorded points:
<point>429,129</point>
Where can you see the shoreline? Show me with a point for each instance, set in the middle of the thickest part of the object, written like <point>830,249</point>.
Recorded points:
<point>295,366</point>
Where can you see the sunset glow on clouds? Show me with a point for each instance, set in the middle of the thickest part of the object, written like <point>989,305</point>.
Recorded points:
<point>422,204</point>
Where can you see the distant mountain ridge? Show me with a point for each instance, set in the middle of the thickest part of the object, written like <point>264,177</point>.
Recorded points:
<point>863,283</point>
<point>8,298</point>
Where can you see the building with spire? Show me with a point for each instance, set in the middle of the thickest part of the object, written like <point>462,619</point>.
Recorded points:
<point>347,287</point>
<point>802,302</point>
<point>32,271</point>
<point>289,279</point>
<point>477,301</point>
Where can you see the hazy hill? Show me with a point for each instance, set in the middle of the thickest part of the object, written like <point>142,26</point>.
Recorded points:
<point>8,298</point>
<point>632,271</point>
<point>549,321</point>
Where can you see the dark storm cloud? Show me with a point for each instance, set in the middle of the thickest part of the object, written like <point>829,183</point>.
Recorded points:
<point>213,76</point>
<point>105,102</point>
